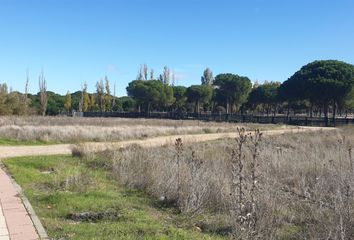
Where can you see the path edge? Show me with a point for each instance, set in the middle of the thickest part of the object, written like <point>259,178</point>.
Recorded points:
<point>33,216</point>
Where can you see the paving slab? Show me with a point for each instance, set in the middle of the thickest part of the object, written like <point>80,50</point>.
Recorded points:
<point>15,222</point>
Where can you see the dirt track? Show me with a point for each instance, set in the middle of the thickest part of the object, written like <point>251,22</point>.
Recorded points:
<point>20,151</point>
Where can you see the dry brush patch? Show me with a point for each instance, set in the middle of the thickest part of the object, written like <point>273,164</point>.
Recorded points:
<point>293,186</point>
<point>68,129</point>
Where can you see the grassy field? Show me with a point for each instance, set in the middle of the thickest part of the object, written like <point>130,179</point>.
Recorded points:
<point>112,211</point>
<point>38,130</point>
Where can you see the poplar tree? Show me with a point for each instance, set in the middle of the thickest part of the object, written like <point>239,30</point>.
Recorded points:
<point>166,75</point>
<point>68,102</point>
<point>107,95</point>
<point>100,94</point>
<point>86,99</point>
<point>207,78</point>
<point>43,94</point>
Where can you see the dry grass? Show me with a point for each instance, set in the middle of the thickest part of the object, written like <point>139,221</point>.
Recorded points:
<point>67,129</point>
<point>298,186</point>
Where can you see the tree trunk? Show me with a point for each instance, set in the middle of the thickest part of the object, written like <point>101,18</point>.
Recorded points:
<point>325,111</point>
<point>267,110</point>
<point>197,107</point>
<point>334,113</point>
<point>288,111</point>
<point>311,110</point>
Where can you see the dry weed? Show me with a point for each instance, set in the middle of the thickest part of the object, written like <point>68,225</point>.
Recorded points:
<point>294,186</point>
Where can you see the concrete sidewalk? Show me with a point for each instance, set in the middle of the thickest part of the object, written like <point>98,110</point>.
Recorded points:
<point>15,222</point>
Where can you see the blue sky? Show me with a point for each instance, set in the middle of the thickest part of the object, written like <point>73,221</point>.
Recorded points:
<point>83,40</point>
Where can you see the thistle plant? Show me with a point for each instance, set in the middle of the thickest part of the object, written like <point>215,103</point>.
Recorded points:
<point>179,149</point>
<point>244,183</point>
<point>237,178</point>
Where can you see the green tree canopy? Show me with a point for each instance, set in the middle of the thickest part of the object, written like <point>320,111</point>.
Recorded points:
<point>179,93</point>
<point>126,104</point>
<point>151,94</point>
<point>265,94</point>
<point>232,90</point>
<point>55,103</point>
<point>325,82</point>
<point>199,94</point>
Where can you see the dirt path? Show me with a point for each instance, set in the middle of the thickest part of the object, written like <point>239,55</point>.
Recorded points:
<point>20,151</point>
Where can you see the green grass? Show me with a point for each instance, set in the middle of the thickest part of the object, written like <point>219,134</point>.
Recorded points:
<point>15,142</point>
<point>75,187</point>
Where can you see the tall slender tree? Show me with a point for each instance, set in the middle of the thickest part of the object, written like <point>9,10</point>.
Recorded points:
<point>166,75</point>
<point>68,102</point>
<point>100,94</point>
<point>145,71</point>
<point>81,103</point>
<point>140,75</point>
<point>173,78</point>
<point>152,74</point>
<point>43,94</point>
<point>92,102</point>
<point>25,96</point>
<point>207,78</point>
<point>114,97</point>
<point>86,98</point>
<point>108,96</point>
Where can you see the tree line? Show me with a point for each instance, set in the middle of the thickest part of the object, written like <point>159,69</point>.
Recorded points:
<point>50,103</point>
<point>317,89</point>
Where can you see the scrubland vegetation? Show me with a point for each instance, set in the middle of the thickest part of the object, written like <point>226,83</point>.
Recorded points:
<point>33,129</point>
<point>294,186</point>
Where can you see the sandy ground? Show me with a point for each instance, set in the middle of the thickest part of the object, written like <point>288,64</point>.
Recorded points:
<point>20,151</point>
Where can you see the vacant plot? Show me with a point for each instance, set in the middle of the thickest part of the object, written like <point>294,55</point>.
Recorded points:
<point>40,130</point>
<point>292,186</point>
<point>76,199</point>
